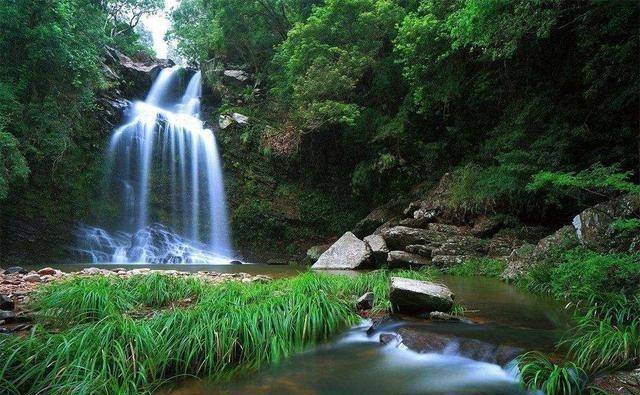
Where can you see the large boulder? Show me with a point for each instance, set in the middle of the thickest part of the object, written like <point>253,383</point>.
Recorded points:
<point>415,296</point>
<point>348,252</point>
<point>594,228</point>
<point>561,240</point>
<point>371,222</point>
<point>378,247</point>
<point>134,77</point>
<point>399,237</point>
<point>406,259</point>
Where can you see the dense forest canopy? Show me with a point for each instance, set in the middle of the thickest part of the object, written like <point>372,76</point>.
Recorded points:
<point>531,105</point>
<point>496,90</point>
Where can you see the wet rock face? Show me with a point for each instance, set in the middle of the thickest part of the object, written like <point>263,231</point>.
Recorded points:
<point>414,296</point>
<point>348,252</point>
<point>134,76</point>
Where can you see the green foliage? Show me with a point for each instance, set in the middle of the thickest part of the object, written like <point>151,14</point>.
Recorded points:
<point>81,300</point>
<point>607,343</point>
<point>597,179</point>
<point>626,226</point>
<point>232,327</point>
<point>604,289</point>
<point>487,267</point>
<point>388,94</point>
<point>538,372</point>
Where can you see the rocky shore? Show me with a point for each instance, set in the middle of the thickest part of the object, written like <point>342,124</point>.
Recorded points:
<point>17,283</point>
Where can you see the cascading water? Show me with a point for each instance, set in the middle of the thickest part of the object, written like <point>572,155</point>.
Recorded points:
<point>164,167</point>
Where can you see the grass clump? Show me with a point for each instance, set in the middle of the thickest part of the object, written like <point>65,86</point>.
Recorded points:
<point>81,300</point>
<point>538,372</point>
<point>605,291</point>
<point>487,267</point>
<point>229,327</point>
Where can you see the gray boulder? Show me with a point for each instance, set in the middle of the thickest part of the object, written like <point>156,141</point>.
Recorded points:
<point>378,247</point>
<point>398,237</point>
<point>594,228</point>
<point>406,259</point>
<point>414,296</point>
<point>348,252</point>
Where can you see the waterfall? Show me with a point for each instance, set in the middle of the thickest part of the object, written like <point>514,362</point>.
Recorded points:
<point>164,167</point>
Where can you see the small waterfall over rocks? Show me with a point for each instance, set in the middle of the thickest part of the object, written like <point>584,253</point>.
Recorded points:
<point>166,176</point>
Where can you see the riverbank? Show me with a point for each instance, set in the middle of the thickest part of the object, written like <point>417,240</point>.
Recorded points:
<point>253,323</point>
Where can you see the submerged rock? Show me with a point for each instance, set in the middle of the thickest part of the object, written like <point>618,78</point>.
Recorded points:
<point>423,341</point>
<point>388,338</point>
<point>348,252</point>
<point>415,296</point>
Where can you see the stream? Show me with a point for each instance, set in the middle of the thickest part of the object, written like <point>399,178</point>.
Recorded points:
<point>356,362</point>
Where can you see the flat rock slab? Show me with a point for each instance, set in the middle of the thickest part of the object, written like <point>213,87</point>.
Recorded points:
<point>348,252</point>
<point>415,296</point>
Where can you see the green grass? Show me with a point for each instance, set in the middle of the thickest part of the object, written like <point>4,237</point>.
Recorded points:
<point>538,372</point>
<point>604,289</point>
<point>487,267</point>
<point>102,347</point>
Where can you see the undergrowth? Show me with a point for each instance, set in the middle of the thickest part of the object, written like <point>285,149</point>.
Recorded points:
<point>604,290</point>
<point>89,341</point>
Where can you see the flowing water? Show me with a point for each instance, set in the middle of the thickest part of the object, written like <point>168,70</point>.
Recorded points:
<point>166,178</point>
<point>355,362</point>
